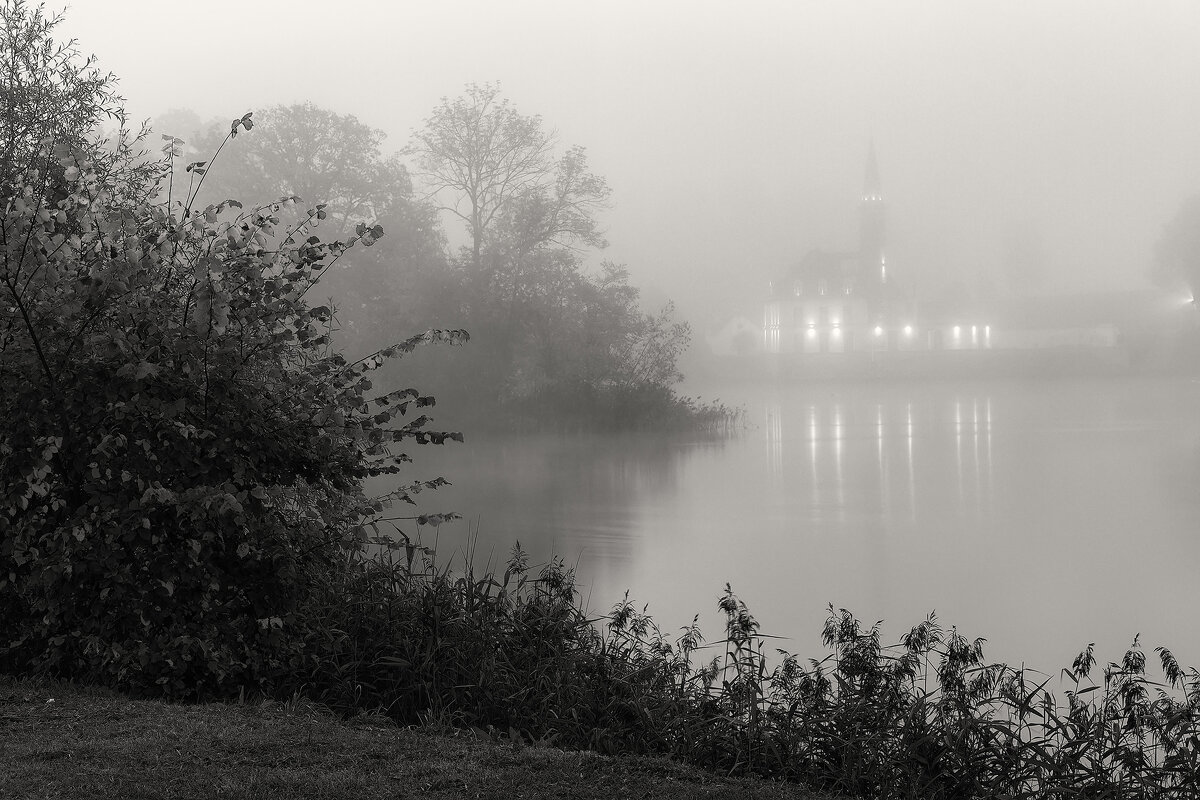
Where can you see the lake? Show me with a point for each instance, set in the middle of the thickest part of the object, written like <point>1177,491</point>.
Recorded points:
<point>1042,515</point>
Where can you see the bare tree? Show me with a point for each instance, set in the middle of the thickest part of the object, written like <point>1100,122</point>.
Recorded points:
<point>482,151</point>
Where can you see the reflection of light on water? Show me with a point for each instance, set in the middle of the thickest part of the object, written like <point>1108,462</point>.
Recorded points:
<point>912,489</point>
<point>812,449</point>
<point>775,440</point>
<point>879,436</point>
<point>988,418</point>
<point>958,447</point>
<point>837,461</point>
<point>884,484</point>
<point>975,439</point>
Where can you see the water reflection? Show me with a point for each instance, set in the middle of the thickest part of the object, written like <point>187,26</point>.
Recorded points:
<point>861,453</point>
<point>888,500</point>
<point>908,440</point>
<point>839,479</point>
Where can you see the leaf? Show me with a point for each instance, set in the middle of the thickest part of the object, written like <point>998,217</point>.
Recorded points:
<point>145,368</point>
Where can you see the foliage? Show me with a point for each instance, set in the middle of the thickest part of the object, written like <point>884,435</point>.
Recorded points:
<point>182,453</point>
<point>313,152</point>
<point>559,344</point>
<point>51,91</point>
<point>515,657</point>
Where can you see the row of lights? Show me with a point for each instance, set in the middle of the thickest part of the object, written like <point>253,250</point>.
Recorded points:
<point>987,332</point>
<point>908,331</point>
<point>837,329</point>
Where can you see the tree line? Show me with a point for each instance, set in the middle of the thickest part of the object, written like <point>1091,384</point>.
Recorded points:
<point>556,338</point>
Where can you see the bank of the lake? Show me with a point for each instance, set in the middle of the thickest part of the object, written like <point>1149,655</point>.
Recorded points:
<point>58,740</point>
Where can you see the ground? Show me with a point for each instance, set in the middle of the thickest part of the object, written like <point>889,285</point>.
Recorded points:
<point>63,741</point>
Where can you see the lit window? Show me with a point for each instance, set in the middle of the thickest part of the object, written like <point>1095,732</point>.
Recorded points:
<point>957,331</point>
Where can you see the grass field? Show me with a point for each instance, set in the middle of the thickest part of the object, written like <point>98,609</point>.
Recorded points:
<point>63,741</point>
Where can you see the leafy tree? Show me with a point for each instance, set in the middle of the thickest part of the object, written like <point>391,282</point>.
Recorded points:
<point>183,453</point>
<point>553,337</point>
<point>1177,252</point>
<point>50,92</point>
<point>310,152</point>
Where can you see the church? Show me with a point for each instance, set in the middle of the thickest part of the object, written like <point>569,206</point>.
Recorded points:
<point>837,302</point>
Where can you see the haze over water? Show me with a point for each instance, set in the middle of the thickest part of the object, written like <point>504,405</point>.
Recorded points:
<point>1042,515</point>
<point>1032,148</point>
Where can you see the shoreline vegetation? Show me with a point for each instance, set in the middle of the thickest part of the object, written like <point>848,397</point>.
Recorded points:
<point>514,661</point>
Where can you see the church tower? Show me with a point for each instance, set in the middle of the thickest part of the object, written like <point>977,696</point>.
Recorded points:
<point>871,226</point>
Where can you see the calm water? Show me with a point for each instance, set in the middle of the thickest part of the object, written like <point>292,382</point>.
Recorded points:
<point>1040,515</point>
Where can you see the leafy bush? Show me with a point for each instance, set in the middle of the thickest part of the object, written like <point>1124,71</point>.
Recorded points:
<point>182,453</point>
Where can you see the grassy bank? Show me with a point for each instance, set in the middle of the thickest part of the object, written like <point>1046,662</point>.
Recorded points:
<point>58,740</point>
<point>514,665</point>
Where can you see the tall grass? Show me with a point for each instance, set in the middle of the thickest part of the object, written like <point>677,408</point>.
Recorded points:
<point>515,655</point>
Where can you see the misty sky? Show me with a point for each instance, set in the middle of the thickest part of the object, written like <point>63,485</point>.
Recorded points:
<point>735,139</point>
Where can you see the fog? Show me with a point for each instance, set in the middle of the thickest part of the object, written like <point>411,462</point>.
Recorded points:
<point>1029,154</point>
<point>735,141</point>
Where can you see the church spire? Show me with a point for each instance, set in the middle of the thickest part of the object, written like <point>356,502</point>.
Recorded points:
<point>871,224</point>
<point>872,190</point>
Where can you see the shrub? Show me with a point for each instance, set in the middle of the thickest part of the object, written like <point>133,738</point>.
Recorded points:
<point>182,454</point>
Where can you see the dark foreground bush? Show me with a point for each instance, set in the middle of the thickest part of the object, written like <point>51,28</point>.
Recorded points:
<point>181,454</point>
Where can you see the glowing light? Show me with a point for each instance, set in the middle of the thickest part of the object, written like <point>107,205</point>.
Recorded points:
<point>836,331</point>
<point>878,331</point>
<point>957,331</point>
<point>812,332</point>
<point>908,330</point>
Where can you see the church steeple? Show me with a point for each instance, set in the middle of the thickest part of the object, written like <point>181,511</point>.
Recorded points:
<point>871,224</point>
<point>872,191</point>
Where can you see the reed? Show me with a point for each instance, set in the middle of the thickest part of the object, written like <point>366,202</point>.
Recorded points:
<point>515,655</point>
